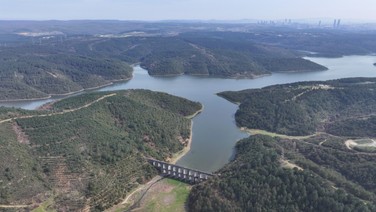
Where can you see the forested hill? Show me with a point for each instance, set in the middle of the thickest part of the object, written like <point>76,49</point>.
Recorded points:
<point>88,151</point>
<point>331,170</point>
<point>28,72</point>
<point>270,174</point>
<point>81,62</point>
<point>339,107</point>
<point>200,55</point>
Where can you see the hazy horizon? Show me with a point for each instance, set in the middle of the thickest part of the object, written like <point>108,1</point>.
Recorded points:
<point>194,10</point>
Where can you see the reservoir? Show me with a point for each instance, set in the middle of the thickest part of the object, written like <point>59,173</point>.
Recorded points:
<point>214,130</point>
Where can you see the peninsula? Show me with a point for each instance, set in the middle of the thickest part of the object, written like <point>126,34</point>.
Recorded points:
<point>314,149</point>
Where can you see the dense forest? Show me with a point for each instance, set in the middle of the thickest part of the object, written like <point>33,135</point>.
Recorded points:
<point>89,151</point>
<point>53,57</point>
<point>57,64</point>
<point>38,60</point>
<point>313,40</point>
<point>38,71</point>
<point>185,54</point>
<point>270,174</point>
<point>337,107</point>
<point>331,170</point>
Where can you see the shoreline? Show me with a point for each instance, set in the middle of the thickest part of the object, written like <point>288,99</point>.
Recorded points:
<point>177,156</point>
<point>250,76</point>
<point>32,99</point>
<point>301,71</point>
<point>195,113</point>
<point>67,94</point>
<point>127,79</point>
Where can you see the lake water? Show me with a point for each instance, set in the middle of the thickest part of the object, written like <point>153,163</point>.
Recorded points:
<point>214,130</point>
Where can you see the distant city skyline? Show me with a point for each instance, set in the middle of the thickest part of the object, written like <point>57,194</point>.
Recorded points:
<point>154,10</point>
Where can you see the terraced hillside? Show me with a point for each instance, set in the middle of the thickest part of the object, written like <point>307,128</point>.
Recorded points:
<point>88,151</point>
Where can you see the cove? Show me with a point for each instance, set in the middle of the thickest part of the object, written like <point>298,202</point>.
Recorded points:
<point>214,130</point>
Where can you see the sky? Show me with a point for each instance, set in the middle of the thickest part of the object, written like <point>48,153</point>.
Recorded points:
<point>186,9</point>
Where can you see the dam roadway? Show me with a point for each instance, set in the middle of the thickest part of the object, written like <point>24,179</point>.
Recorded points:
<point>179,172</point>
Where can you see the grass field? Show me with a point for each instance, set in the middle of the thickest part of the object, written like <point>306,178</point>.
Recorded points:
<point>163,196</point>
<point>364,141</point>
<point>365,145</point>
<point>44,207</point>
<point>167,195</point>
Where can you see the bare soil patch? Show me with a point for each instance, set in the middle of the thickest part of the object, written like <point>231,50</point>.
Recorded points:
<point>287,164</point>
<point>21,136</point>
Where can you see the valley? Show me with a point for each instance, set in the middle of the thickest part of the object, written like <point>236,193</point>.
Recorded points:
<point>300,134</point>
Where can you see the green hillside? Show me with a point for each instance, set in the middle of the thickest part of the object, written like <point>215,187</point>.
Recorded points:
<point>270,174</point>
<point>37,72</point>
<point>333,169</point>
<point>81,62</point>
<point>202,55</point>
<point>89,151</point>
<point>338,107</point>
